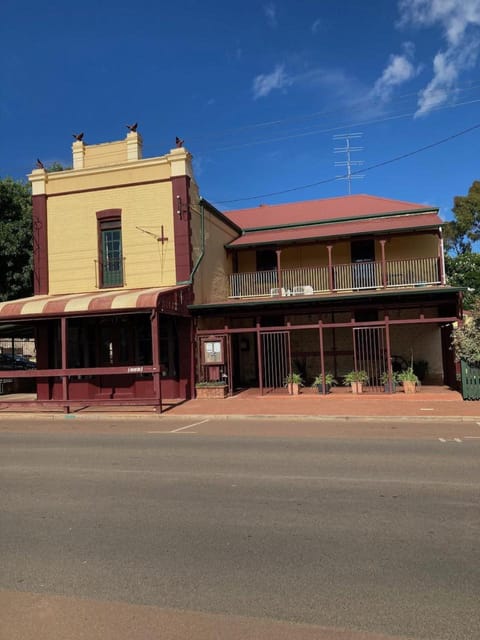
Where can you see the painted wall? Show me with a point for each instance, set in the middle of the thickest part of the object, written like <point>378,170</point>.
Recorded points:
<point>211,278</point>
<point>396,248</point>
<point>73,239</point>
<point>112,176</point>
<point>422,246</point>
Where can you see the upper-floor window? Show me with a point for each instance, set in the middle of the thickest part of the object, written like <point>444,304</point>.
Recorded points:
<point>110,248</point>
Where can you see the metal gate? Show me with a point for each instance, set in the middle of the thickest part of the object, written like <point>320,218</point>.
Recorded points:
<point>275,358</point>
<point>369,349</point>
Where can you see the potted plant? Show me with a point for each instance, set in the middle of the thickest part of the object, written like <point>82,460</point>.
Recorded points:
<point>328,380</point>
<point>356,379</point>
<point>293,382</point>
<point>389,382</point>
<point>209,390</point>
<point>408,379</point>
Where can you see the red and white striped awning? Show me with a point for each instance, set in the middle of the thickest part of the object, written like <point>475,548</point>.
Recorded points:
<point>175,299</point>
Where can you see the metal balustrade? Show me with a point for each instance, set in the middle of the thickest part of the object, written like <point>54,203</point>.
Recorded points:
<point>341,277</point>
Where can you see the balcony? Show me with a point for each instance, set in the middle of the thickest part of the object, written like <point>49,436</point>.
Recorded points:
<point>360,276</point>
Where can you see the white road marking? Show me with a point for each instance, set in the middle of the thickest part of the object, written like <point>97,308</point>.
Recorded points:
<point>188,426</point>
<point>472,437</point>
<point>452,440</point>
<point>422,409</point>
<point>457,439</point>
<point>442,439</point>
<point>164,433</point>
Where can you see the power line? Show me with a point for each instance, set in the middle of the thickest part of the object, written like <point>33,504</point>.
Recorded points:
<point>369,168</point>
<point>352,103</point>
<point>330,129</point>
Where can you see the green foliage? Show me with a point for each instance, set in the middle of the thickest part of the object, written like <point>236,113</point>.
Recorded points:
<point>329,380</point>
<point>293,378</point>
<point>356,376</point>
<point>464,271</point>
<point>385,378</point>
<point>461,233</point>
<point>408,375</point>
<point>214,383</point>
<point>15,239</point>
<point>466,338</point>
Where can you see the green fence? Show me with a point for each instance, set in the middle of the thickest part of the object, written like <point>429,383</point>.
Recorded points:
<point>470,381</point>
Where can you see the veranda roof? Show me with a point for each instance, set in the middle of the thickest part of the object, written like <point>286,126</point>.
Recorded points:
<point>391,224</point>
<point>164,298</point>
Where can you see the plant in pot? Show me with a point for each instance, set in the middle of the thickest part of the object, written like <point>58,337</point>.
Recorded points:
<point>293,382</point>
<point>356,379</point>
<point>328,380</point>
<point>389,382</point>
<point>408,380</point>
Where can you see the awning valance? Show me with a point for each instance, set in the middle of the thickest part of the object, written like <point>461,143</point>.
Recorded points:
<point>165,299</point>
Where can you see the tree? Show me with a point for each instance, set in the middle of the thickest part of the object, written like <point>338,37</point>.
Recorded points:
<point>15,239</point>
<point>464,271</point>
<point>466,338</point>
<point>462,232</point>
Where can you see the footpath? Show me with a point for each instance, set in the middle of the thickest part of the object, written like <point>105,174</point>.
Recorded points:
<point>429,403</point>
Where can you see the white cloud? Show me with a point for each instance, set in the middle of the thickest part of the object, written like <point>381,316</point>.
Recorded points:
<point>400,69</point>
<point>270,12</point>
<point>316,26</point>
<point>460,22</point>
<point>264,84</point>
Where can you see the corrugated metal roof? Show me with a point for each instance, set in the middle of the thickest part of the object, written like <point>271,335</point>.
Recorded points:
<point>321,210</point>
<point>86,303</point>
<point>339,229</point>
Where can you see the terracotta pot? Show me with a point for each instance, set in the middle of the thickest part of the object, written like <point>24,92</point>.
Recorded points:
<point>409,386</point>
<point>293,388</point>
<point>357,387</point>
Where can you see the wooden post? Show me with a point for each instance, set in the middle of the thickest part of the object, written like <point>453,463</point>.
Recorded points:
<point>330,267</point>
<point>259,359</point>
<point>384,264</point>
<point>322,356</point>
<point>64,349</point>
<point>279,271</point>
<point>157,379</point>
<point>441,258</point>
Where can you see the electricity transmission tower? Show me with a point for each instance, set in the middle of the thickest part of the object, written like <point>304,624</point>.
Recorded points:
<point>348,163</point>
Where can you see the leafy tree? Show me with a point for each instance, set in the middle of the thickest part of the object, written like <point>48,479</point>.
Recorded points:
<point>462,232</point>
<point>15,239</point>
<point>466,338</point>
<point>464,271</point>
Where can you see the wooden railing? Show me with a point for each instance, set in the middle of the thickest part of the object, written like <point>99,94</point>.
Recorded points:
<point>339,277</point>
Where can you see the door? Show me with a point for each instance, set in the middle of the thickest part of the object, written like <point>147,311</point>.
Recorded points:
<point>363,263</point>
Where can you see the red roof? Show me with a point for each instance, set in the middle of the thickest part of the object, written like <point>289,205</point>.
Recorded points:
<point>339,229</point>
<point>356,206</point>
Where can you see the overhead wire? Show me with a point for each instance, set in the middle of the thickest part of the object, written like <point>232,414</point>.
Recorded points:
<point>363,170</point>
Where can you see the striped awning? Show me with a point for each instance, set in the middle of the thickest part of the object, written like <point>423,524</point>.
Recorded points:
<point>124,300</point>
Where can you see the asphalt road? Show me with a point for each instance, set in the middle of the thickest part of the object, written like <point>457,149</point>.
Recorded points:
<point>377,535</point>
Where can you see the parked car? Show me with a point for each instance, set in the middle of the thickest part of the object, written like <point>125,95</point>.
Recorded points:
<point>9,361</point>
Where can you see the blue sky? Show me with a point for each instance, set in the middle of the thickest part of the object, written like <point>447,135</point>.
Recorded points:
<point>256,89</point>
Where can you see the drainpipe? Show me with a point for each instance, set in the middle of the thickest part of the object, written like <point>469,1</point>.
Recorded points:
<point>202,251</point>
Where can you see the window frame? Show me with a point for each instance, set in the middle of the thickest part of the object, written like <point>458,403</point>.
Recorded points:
<point>109,220</point>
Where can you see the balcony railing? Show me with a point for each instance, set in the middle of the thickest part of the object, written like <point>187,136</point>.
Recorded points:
<point>340,277</point>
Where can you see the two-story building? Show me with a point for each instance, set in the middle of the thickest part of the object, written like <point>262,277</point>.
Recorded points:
<point>142,288</point>
<point>116,248</point>
<point>348,283</point>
